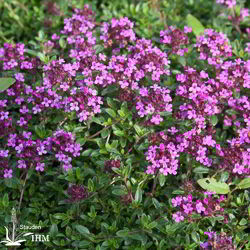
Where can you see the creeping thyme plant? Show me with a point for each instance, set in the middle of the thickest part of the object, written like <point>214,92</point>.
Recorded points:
<point>111,139</point>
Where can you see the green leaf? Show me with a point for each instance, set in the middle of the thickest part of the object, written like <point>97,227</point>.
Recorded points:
<point>40,131</point>
<point>119,133</point>
<point>214,120</point>
<point>138,195</point>
<point>145,8</point>
<point>162,179</point>
<point>78,173</point>
<point>99,120</point>
<point>196,25</point>
<point>53,230</point>
<point>144,220</point>
<point>224,176</point>
<point>62,43</point>
<point>111,148</point>
<point>82,230</point>
<point>243,222</point>
<point>68,231</point>
<point>60,216</point>
<point>121,113</point>
<point>31,52</point>
<point>123,233</point>
<point>156,203</point>
<point>111,103</point>
<point>119,191</point>
<point>84,243</point>
<point>91,185</point>
<point>111,112</point>
<point>117,171</point>
<point>138,236</point>
<point>42,57</point>
<point>245,183</point>
<point>5,83</point>
<point>5,200</point>
<point>195,236</point>
<point>87,152</point>
<point>138,130</point>
<point>211,184</point>
<point>178,191</point>
<point>201,170</point>
<point>105,133</point>
<point>98,48</point>
<point>152,225</point>
<point>109,89</point>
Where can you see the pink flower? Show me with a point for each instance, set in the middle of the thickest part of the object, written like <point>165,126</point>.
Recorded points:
<point>199,207</point>
<point>178,217</point>
<point>187,29</point>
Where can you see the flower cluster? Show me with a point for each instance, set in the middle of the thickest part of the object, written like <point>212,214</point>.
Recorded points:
<point>213,47</point>
<point>63,145</point>
<point>176,39</point>
<point>5,170</point>
<point>208,206</point>
<point>217,242</point>
<point>164,155</point>
<point>117,34</point>
<point>199,102</point>
<point>108,165</point>
<point>228,3</point>
<point>13,56</point>
<point>77,193</point>
<point>70,85</point>
<point>152,101</point>
<point>81,23</point>
<point>237,19</point>
<point>34,153</point>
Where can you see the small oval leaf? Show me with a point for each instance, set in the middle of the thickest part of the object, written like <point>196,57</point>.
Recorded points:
<point>245,183</point>
<point>212,185</point>
<point>82,230</point>
<point>5,83</point>
<point>195,24</point>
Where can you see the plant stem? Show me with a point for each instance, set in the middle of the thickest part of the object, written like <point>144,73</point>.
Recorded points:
<point>22,191</point>
<point>99,132</point>
<point>13,231</point>
<point>154,184</point>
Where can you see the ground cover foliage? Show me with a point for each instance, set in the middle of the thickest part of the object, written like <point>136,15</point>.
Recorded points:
<point>126,124</point>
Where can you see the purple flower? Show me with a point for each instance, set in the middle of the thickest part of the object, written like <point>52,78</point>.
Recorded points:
<point>19,148</point>
<point>187,29</point>
<point>156,119</point>
<point>188,208</point>
<point>40,167</point>
<point>178,217</point>
<point>19,77</point>
<point>7,173</point>
<point>4,115</point>
<point>24,110</point>
<point>177,201</point>
<point>22,122</point>
<point>21,164</point>
<point>36,109</point>
<point>199,207</point>
<point>4,153</point>
<point>41,150</point>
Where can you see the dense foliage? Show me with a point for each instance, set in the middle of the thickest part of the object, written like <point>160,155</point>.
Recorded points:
<point>126,124</point>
